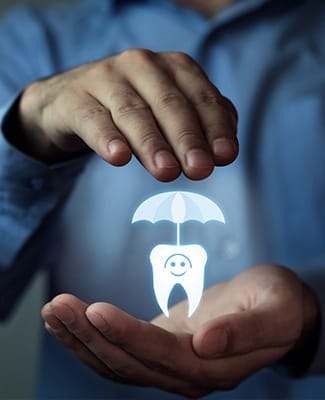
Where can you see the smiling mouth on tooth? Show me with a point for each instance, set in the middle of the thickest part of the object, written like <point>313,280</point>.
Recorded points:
<point>173,273</point>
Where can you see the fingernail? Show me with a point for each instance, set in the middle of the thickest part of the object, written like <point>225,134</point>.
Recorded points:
<point>164,159</point>
<point>117,146</point>
<point>97,320</point>
<point>64,313</point>
<point>198,158</point>
<point>224,148</point>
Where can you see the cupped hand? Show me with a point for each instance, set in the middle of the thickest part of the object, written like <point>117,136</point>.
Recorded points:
<point>241,326</point>
<point>160,107</point>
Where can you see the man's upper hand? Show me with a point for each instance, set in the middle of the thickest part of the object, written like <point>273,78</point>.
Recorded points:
<point>160,107</point>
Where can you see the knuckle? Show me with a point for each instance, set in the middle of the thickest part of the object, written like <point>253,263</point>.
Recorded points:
<point>182,59</point>
<point>31,91</point>
<point>207,98</point>
<point>132,106</point>
<point>149,140</point>
<point>91,113</point>
<point>216,129</point>
<point>137,55</point>
<point>102,68</point>
<point>187,137</point>
<point>171,99</point>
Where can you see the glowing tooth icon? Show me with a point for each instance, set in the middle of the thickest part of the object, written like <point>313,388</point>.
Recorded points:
<point>181,264</point>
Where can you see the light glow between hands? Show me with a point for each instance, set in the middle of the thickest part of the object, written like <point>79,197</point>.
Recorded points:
<point>178,264</point>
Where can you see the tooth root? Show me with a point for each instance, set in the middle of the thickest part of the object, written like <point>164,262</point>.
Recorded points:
<point>163,286</point>
<point>162,297</point>
<point>194,295</point>
<point>162,281</point>
<point>192,281</point>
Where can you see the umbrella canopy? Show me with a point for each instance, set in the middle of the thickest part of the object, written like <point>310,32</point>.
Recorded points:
<point>178,207</point>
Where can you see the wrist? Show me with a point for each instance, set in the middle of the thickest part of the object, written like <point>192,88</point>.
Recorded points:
<point>297,361</point>
<point>22,132</point>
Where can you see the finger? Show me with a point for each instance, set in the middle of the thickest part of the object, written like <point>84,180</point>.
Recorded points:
<point>56,328</point>
<point>218,117</point>
<point>158,349</point>
<point>71,312</point>
<point>92,122</point>
<point>134,118</point>
<point>216,374</point>
<point>175,115</point>
<point>132,115</point>
<point>265,326</point>
<point>126,368</point>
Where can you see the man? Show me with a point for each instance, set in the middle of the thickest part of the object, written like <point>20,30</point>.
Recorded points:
<point>70,210</point>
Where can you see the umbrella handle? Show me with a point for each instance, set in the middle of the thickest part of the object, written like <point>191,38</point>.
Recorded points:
<point>178,233</point>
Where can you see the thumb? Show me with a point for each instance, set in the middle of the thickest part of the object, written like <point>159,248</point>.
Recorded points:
<point>247,331</point>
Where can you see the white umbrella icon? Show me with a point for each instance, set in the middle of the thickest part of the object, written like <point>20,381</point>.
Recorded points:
<point>178,207</point>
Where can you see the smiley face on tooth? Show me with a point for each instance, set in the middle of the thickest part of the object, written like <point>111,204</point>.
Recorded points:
<point>178,264</point>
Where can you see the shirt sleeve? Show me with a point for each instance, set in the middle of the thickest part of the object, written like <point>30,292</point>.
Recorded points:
<point>30,190</point>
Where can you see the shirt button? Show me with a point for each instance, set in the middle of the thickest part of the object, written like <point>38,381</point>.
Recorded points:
<point>230,248</point>
<point>37,184</point>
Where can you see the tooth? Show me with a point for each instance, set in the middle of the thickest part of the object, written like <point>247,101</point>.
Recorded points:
<point>183,265</point>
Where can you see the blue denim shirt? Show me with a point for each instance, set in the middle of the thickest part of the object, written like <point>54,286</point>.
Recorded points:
<point>268,57</point>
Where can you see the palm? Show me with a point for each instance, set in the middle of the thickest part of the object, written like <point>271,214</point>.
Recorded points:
<point>242,293</point>
<point>211,307</point>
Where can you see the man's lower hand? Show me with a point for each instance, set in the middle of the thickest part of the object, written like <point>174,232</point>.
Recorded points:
<point>241,326</point>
